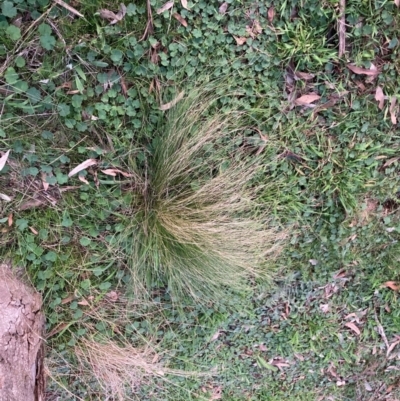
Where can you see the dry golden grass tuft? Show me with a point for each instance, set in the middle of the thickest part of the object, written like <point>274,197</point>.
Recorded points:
<point>197,226</point>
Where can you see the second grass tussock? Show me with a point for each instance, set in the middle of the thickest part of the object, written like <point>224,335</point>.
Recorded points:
<point>195,223</point>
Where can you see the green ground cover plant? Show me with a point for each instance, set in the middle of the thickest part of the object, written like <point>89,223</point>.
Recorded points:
<point>201,134</point>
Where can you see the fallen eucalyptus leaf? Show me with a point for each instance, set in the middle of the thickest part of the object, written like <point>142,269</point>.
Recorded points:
<point>84,165</point>
<point>173,102</point>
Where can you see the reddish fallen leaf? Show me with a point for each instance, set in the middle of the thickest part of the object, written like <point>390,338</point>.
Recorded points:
<point>240,41</point>
<point>392,110</point>
<point>84,165</point>
<point>362,71</point>
<point>223,7</point>
<point>184,4</point>
<point>33,231</point>
<point>397,3</point>
<point>393,285</point>
<point>173,102</point>
<point>353,327</point>
<point>380,97</point>
<point>10,220</point>
<point>84,302</point>
<point>307,99</point>
<point>165,7</point>
<point>271,13</point>
<point>180,19</point>
<point>3,159</point>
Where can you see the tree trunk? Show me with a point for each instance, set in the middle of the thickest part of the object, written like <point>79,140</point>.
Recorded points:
<point>21,335</point>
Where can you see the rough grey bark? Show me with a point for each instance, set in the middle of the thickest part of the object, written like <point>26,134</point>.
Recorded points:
<point>21,345</point>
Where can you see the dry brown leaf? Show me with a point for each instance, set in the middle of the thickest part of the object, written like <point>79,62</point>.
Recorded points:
<point>393,285</point>
<point>68,299</point>
<point>165,7</point>
<point>44,182</point>
<point>392,346</point>
<point>112,296</point>
<point>391,161</point>
<point>184,4</point>
<point>380,97</point>
<point>84,302</point>
<point>84,165</point>
<point>179,18</point>
<point>306,76</point>
<point>83,179</point>
<point>216,393</point>
<point>114,171</point>
<point>60,327</point>
<point>69,8</point>
<point>173,102</point>
<point>33,231</point>
<point>124,87</point>
<point>240,41</point>
<point>392,110</point>
<point>353,327</point>
<point>215,336</point>
<point>223,7</point>
<point>10,220</point>
<point>362,71</point>
<point>271,13</point>
<point>111,16</point>
<point>107,14</point>
<point>3,159</point>
<point>307,99</point>
<point>5,197</point>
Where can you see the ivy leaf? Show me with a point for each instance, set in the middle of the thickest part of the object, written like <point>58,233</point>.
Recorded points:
<point>63,109</point>
<point>8,9</point>
<point>13,32</point>
<point>45,29</point>
<point>48,42</point>
<point>34,95</point>
<point>11,76</point>
<point>116,55</point>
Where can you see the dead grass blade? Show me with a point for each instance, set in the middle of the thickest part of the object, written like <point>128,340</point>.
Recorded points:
<point>69,8</point>
<point>173,102</point>
<point>149,25</point>
<point>392,110</point>
<point>84,165</point>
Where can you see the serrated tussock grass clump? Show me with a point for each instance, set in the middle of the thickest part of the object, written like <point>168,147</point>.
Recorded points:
<point>195,224</point>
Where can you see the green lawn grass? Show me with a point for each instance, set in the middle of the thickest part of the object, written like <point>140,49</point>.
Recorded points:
<point>77,88</point>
